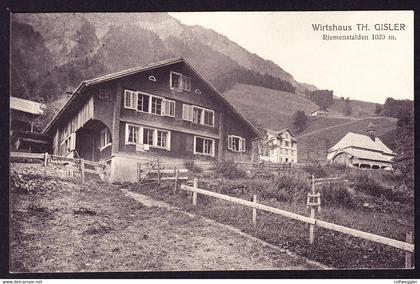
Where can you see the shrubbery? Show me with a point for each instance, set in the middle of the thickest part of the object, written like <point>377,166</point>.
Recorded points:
<point>315,169</point>
<point>191,166</point>
<point>229,169</point>
<point>336,194</point>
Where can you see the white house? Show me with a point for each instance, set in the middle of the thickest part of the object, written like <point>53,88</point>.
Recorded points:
<point>279,147</point>
<point>361,151</point>
<point>320,112</point>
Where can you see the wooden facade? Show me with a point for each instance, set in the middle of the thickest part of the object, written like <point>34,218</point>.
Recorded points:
<point>164,110</point>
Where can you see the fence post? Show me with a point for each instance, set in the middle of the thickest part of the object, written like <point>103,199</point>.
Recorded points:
<point>158,172</point>
<point>254,211</point>
<point>46,159</point>
<point>311,226</point>
<point>195,192</point>
<point>176,180</point>
<point>408,255</point>
<point>82,169</point>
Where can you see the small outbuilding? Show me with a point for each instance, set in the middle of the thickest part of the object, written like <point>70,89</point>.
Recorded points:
<point>362,151</point>
<point>320,112</point>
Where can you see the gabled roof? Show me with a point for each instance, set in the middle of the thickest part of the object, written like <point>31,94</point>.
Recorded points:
<point>25,105</point>
<point>365,155</point>
<point>278,133</point>
<point>321,108</point>
<point>140,69</point>
<point>361,141</point>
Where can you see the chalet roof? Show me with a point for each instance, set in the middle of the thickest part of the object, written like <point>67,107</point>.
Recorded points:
<point>280,132</point>
<point>25,105</point>
<point>140,69</point>
<point>366,154</point>
<point>362,141</point>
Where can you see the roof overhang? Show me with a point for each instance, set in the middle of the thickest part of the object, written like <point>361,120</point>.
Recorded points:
<point>132,71</point>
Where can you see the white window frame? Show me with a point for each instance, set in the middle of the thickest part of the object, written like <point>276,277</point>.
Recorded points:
<point>106,135</point>
<point>140,136</point>
<point>241,143</point>
<point>182,83</point>
<point>188,114</point>
<point>133,99</point>
<point>204,139</point>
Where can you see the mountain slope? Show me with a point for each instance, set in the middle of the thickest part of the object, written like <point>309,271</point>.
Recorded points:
<point>71,38</point>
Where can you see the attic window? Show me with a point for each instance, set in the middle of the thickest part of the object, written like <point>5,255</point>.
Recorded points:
<point>180,82</point>
<point>197,91</point>
<point>152,78</point>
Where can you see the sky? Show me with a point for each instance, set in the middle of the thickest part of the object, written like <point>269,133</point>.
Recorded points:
<point>369,70</point>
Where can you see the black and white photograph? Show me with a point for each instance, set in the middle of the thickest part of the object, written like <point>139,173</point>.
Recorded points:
<point>211,141</point>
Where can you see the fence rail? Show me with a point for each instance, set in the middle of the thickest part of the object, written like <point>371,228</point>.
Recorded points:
<point>408,247</point>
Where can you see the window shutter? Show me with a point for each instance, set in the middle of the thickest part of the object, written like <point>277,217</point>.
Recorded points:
<point>163,110</point>
<point>242,146</point>
<point>73,141</point>
<point>187,112</point>
<point>230,142</point>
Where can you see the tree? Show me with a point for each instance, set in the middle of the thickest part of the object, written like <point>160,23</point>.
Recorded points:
<point>378,109</point>
<point>323,98</point>
<point>299,120</point>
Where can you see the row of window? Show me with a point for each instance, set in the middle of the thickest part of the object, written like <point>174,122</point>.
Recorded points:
<point>198,115</point>
<point>156,105</point>
<point>286,143</point>
<point>148,103</point>
<point>140,135</point>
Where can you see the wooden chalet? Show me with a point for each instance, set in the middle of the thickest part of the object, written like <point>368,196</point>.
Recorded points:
<point>165,110</point>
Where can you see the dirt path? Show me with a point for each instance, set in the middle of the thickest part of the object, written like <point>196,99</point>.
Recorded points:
<point>65,226</point>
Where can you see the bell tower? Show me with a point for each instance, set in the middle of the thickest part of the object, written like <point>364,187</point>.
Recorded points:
<point>371,130</point>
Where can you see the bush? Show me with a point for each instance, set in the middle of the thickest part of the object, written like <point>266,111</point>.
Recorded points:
<point>191,166</point>
<point>315,169</point>
<point>229,169</point>
<point>336,194</point>
<point>368,185</point>
<point>286,188</point>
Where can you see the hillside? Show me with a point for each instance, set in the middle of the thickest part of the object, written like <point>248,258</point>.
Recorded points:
<point>359,108</point>
<point>314,145</point>
<point>268,108</point>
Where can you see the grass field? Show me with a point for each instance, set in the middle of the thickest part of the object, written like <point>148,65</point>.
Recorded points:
<point>273,109</point>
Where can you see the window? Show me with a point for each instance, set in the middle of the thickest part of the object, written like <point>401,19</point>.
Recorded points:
<point>197,114</point>
<point>236,143</point>
<point>133,134</point>
<point>170,108</point>
<point>209,117</point>
<point>105,138</point>
<point>156,105</point>
<point>162,138</point>
<point>286,143</point>
<point>148,136</point>
<point>203,146</point>
<point>178,81</point>
<point>130,98</point>
<point>143,102</point>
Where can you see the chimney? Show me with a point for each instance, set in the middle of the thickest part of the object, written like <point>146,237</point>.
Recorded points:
<point>371,131</point>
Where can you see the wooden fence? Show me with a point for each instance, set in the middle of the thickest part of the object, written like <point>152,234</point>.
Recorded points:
<point>70,164</point>
<point>407,246</point>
